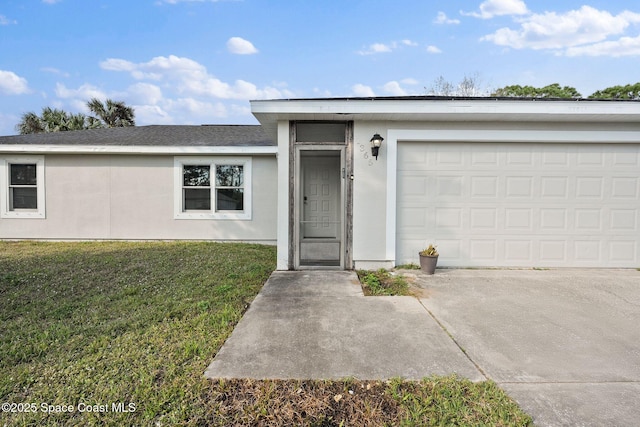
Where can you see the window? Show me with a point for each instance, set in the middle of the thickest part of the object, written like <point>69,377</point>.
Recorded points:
<point>213,188</point>
<point>23,188</point>
<point>197,188</point>
<point>229,188</point>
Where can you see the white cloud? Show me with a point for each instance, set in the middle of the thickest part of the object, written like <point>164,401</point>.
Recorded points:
<point>443,19</point>
<point>172,89</point>
<point>152,114</point>
<point>322,93</point>
<point>78,98</point>
<point>53,70</point>
<point>186,1</point>
<point>85,92</point>
<point>51,1</point>
<point>241,109</point>
<point>145,93</point>
<point>551,30</point>
<point>198,108</point>
<point>375,48</point>
<point>240,46</point>
<point>113,64</point>
<point>433,49</point>
<point>491,8</point>
<point>190,77</point>
<point>12,84</point>
<point>625,46</point>
<point>158,68</point>
<point>362,91</point>
<point>394,88</point>
<point>409,81</point>
<point>6,21</point>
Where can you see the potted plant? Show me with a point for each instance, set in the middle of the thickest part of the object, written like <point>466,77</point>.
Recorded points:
<point>429,259</point>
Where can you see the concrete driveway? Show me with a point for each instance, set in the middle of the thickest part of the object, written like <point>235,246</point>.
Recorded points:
<point>564,343</point>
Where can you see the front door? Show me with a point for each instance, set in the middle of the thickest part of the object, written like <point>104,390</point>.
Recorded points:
<point>320,213</point>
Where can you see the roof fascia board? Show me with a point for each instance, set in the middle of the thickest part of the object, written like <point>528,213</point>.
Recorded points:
<point>377,108</point>
<point>126,149</point>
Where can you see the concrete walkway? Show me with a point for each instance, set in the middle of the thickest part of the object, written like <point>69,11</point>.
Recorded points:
<point>564,343</point>
<point>319,325</point>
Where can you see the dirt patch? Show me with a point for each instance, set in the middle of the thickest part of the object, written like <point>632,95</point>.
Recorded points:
<point>415,289</point>
<point>292,402</point>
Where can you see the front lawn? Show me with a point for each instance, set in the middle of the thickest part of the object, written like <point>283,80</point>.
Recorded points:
<point>115,333</point>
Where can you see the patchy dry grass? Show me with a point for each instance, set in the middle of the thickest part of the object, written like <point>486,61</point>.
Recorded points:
<point>438,401</point>
<point>121,333</point>
<point>382,282</point>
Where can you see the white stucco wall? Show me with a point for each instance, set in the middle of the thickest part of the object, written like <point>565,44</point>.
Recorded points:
<point>131,197</point>
<point>369,196</point>
<point>283,196</point>
<point>373,222</point>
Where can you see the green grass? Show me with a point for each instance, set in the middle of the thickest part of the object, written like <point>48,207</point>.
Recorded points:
<point>137,323</point>
<point>382,282</point>
<point>410,266</point>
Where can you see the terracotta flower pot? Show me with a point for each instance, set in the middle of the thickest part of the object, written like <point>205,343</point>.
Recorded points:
<point>428,263</point>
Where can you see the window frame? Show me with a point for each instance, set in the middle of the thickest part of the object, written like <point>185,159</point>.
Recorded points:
<point>212,162</point>
<point>5,192</point>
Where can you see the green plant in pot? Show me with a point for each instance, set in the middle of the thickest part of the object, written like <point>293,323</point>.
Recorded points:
<point>429,259</point>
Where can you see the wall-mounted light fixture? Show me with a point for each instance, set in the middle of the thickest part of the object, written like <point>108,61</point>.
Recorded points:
<point>376,142</point>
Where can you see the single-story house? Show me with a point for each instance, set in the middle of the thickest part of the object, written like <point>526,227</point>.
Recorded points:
<point>492,182</point>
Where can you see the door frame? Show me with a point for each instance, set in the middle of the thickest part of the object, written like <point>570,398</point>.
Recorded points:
<point>293,260</point>
<point>298,200</point>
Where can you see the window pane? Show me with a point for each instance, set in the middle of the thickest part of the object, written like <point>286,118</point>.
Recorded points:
<point>197,199</point>
<point>23,198</point>
<point>320,132</point>
<point>229,176</point>
<point>196,176</point>
<point>23,174</point>
<point>230,199</point>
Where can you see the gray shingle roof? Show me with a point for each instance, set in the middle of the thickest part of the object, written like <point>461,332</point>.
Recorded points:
<point>156,135</point>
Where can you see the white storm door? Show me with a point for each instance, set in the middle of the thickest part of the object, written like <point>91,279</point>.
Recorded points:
<point>321,197</point>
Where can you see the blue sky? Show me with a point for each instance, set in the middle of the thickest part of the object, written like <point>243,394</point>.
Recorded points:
<point>201,61</point>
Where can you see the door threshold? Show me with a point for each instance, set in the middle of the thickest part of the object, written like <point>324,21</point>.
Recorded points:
<point>320,267</point>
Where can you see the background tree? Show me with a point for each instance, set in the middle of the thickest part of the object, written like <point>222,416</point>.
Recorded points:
<point>468,86</point>
<point>553,90</point>
<point>54,120</point>
<point>112,114</point>
<point>630,91</point>
<point>30,123</point>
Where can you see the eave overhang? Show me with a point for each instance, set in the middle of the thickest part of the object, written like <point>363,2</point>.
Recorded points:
<point>430,109</point>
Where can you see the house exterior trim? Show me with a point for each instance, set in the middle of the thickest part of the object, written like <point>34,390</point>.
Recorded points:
<point>128,149</point>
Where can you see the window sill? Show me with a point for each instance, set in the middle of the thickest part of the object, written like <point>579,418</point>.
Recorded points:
<point>22,215</point>
<point>243,216</point>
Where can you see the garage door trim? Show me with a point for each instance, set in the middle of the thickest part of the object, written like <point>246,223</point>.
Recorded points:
<point>470,135</point>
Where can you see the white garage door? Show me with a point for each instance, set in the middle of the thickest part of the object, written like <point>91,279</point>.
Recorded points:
<point>520,205</point>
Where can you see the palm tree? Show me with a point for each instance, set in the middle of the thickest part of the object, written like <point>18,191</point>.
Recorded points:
<point>53,120</point>
<point>30,123</point>
<point>112,113</point>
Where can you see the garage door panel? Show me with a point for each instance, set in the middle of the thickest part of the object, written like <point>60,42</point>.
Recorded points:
<point>626,158</point>
<point>625,187</point>
<point>622,251</point>
<point>530,205</point>
<point>518,252</point>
